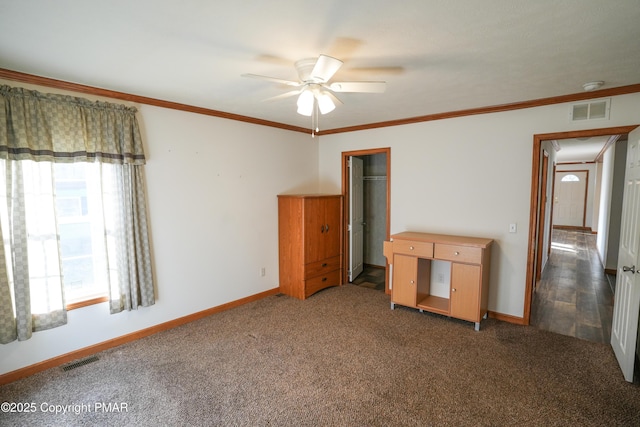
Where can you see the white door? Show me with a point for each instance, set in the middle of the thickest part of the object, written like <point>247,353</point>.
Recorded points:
<point>356,217</point>
<point>569,198</point>
<point>626,306</point>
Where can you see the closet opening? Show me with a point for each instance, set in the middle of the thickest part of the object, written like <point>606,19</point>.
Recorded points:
<point>366,189</point>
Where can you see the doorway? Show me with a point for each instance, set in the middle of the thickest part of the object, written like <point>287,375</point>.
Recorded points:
<point>366,232</point>
<point>533,273</point>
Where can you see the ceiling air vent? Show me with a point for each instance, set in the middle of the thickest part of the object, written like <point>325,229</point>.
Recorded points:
<point>590,111</point>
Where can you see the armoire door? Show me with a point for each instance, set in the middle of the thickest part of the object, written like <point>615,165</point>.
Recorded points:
<point>321,228</point>
<point>331,235</point>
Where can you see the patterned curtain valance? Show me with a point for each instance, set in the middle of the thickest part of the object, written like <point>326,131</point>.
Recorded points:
<point>61,128</point>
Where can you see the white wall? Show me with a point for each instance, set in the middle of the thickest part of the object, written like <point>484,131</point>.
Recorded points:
<point>469,176</point>
<point>595,219</point>
<point>212,186</point>
<point>605,205</point>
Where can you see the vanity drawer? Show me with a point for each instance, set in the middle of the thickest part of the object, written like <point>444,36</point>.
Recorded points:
<point>415,248</point>
<point>316,268</point>
<point>455,253</point>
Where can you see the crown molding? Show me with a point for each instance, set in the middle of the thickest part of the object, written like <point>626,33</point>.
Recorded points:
<point>75,87</point>
<point>90,90</point>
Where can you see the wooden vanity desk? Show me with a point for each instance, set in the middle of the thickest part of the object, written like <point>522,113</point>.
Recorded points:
<point>463,260</point>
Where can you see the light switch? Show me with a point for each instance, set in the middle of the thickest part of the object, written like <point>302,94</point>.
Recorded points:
<point>513,228</point>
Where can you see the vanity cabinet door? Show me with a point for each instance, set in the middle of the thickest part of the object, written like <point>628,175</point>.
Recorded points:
<point>404,291</point>
<point>465,291</point>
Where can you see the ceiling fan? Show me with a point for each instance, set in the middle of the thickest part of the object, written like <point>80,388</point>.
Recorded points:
<point>315,92</point>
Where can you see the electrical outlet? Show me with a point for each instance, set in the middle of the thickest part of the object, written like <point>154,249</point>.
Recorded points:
<point>440,277</point>
<point>263,272</point>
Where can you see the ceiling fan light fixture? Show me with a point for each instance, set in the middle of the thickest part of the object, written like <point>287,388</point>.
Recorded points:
<point>305,103</point>
<point>325,103</point>
<point>588,87</point>
<point>315,92</point>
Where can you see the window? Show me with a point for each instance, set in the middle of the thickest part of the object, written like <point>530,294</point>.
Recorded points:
<point>570,178</point>
<point>72,210</point>
<point>79,216</point>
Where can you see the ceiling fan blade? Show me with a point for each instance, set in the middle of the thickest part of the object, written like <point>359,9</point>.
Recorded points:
<point>325,68</point>
<point>272,79</point>
<point>368,87</point>
<point>376,70</point>
<point>284,95</point>
<point>334,98</point>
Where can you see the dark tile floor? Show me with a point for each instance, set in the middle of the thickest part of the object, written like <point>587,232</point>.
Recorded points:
<point>371,277</point>
<point>574,296</point>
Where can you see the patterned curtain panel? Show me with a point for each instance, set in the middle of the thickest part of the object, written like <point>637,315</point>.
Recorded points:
<point>8,329</point>
<point>131,284</point>
<point>38,131</point>
<point>29,228</point>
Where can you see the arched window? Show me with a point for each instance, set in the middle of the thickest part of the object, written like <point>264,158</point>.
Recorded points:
<point>570,178</point>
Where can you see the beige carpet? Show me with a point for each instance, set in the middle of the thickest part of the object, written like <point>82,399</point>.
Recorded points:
<point>340,358</point>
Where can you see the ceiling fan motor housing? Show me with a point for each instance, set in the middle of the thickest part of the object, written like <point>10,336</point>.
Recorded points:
<point>304,68</point>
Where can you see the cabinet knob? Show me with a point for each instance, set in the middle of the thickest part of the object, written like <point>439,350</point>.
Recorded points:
<point>411,248</point>
<point>412,282</point>
<point>453,289</point>
<point>322,228</point>
<point>456,253</point>
<point>324,264</point>
<point>324,279</point>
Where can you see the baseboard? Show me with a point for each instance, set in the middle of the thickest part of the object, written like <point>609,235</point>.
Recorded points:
<point>611,271</point>
<point>382,267</point>
<point>96,348</point>
<point>574,228</point>
<point>507,318</point>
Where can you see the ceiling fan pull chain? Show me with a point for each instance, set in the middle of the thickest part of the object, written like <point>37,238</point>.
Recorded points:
<point>314,119</point>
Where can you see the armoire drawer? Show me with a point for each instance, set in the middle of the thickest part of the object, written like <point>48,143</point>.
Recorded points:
<point>415,248</point>
<point>316,268</point>
<point>458,253</point>
<point>313,285</point>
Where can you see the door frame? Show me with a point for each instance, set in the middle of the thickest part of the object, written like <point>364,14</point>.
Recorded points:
<point>534,205</point>
<point>345,206</point>
<point>542,213</point>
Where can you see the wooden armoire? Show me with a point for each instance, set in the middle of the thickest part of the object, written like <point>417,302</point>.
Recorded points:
<point>309,243</point>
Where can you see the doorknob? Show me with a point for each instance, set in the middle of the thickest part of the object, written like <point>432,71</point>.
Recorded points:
<point>631,269</point>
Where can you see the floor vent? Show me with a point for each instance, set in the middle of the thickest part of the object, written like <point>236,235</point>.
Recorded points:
<point>79,363</point>
<point>590,110</point>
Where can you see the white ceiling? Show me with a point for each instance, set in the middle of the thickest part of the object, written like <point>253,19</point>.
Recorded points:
<point>436,55</point>
<point>581,149</point>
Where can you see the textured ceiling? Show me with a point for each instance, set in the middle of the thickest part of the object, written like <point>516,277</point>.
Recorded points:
<point>436,56</point>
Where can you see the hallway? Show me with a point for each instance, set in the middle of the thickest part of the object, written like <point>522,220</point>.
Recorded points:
<point>574,296</point>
